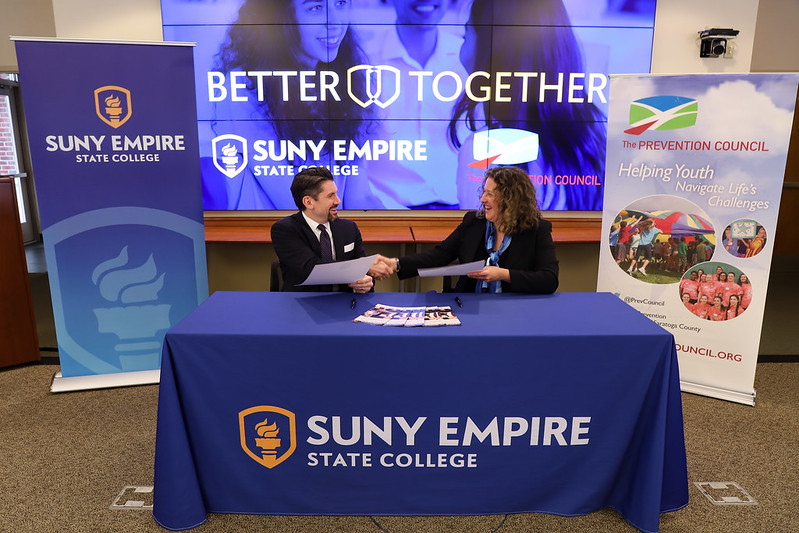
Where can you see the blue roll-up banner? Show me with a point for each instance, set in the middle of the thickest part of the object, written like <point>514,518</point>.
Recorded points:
<point>113,137</point>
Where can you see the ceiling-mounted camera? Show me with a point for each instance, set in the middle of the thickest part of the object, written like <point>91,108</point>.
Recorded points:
<point>715,42</point>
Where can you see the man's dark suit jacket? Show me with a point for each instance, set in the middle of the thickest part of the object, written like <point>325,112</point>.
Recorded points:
<point>530,257</point>
<point>298,251</point>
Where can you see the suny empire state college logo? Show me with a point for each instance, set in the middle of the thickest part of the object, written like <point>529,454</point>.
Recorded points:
<point>662,113</point>
<point>268,434</point>
<point>229,153</point>
<point>113,105</point>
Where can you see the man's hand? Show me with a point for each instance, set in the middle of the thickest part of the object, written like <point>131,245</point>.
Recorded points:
<point>381,268</point>
<point>390,262</point>
<point>363,285</point>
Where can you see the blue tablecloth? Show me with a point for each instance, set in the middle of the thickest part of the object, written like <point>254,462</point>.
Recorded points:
<point>277,403</point>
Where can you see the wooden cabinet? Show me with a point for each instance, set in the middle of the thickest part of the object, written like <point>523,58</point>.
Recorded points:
<point>18,340</point>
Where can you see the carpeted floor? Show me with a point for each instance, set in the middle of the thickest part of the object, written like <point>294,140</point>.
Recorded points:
<point>64,458</point>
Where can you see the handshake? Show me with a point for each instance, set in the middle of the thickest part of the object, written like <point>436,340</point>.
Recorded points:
<point>383,267</point>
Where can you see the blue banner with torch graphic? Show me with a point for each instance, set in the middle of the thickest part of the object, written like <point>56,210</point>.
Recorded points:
<point>116,166</point>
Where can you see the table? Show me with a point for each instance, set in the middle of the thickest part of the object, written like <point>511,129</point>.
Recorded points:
<point>277,403</point>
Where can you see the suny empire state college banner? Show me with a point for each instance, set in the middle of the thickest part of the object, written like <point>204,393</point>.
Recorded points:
<point>695,166</point>
<point>113,136</point>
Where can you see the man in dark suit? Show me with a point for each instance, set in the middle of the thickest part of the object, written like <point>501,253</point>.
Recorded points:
<point>316,235</point>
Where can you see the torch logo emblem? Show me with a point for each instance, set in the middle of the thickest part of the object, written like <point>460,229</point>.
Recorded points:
<point>133,312</point>
<point>229,154</point>
<point>268,434</point>
<point>113,105</point>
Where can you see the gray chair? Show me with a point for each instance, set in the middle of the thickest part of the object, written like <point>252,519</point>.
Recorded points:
<point>447,285</point>
<point>275,278</point>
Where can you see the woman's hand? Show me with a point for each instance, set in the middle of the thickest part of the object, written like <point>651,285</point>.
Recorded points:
<point>382,268</point>
<point>490,274</point>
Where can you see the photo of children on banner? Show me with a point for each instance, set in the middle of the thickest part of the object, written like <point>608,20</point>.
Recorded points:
<point>715,291</point>
<point>659,246</point>
<point>744,238</point>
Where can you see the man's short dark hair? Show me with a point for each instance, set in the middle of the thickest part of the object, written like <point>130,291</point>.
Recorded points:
<point>308,182</point>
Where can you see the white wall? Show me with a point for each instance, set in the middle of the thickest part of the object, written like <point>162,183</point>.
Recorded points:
<point>23,18</point>
<point>128,20</point>
<point>677,23</point>
<point>775,41</point>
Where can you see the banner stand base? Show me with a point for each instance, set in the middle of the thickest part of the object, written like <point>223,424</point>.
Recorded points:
<point>104,381</point>
<point>721,394</point>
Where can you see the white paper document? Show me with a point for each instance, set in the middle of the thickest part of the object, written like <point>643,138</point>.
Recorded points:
<point>340,272</point>
<point>452,270</point>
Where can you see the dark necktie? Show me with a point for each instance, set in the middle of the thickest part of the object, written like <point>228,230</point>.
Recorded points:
<point>324,242</point>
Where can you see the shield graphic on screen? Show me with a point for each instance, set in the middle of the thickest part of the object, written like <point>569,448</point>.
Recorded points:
<point>229,153</point>
<point>268,434</point>
<point>382,85</point>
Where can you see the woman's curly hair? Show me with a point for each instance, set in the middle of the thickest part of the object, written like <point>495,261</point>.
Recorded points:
<point>516,201</point>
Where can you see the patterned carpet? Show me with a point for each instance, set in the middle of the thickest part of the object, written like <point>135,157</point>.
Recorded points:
<point>66,457</point>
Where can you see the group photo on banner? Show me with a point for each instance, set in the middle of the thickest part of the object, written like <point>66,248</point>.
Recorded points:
<point>693,181</point>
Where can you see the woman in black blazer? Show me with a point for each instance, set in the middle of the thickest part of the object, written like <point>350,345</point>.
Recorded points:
<point>508,233</point>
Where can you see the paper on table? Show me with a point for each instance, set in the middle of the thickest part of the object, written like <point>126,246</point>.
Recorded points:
<point>340,272</point>
<point>453,270</point>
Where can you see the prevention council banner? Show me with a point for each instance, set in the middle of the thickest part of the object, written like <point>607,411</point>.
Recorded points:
<point>695,167</point>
